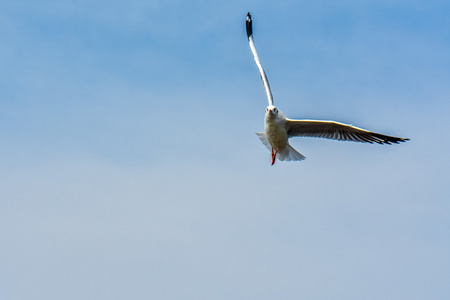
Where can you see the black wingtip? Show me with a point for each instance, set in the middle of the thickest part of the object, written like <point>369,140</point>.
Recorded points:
<point>248,24</point>
<point>386,139</point>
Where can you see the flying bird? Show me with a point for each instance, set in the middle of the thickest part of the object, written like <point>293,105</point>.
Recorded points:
<point>278,128</point>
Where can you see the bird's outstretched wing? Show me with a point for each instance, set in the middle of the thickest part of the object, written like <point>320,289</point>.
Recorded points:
<point>337,131</point>
<point>258,63</point>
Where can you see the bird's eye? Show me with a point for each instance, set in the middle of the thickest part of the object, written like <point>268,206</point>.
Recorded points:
<point>275,110</point>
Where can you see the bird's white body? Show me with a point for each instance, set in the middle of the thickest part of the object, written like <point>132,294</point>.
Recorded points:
<point>276,137</point>
<point>275,128</point>
<point>278,128</point>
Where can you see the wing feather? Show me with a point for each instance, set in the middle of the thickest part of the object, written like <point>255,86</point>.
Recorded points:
<point>337,131</point>
<point>258,62</point>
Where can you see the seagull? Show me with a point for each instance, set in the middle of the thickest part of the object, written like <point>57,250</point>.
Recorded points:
<point>278,128</point>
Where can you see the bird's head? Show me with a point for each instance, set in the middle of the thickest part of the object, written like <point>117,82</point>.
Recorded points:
<point>273,113</point>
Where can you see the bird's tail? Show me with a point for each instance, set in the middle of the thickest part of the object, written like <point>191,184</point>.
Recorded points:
<point>287,154</point>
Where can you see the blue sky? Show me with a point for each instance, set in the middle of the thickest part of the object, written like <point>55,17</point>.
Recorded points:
<point>130,168</point>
